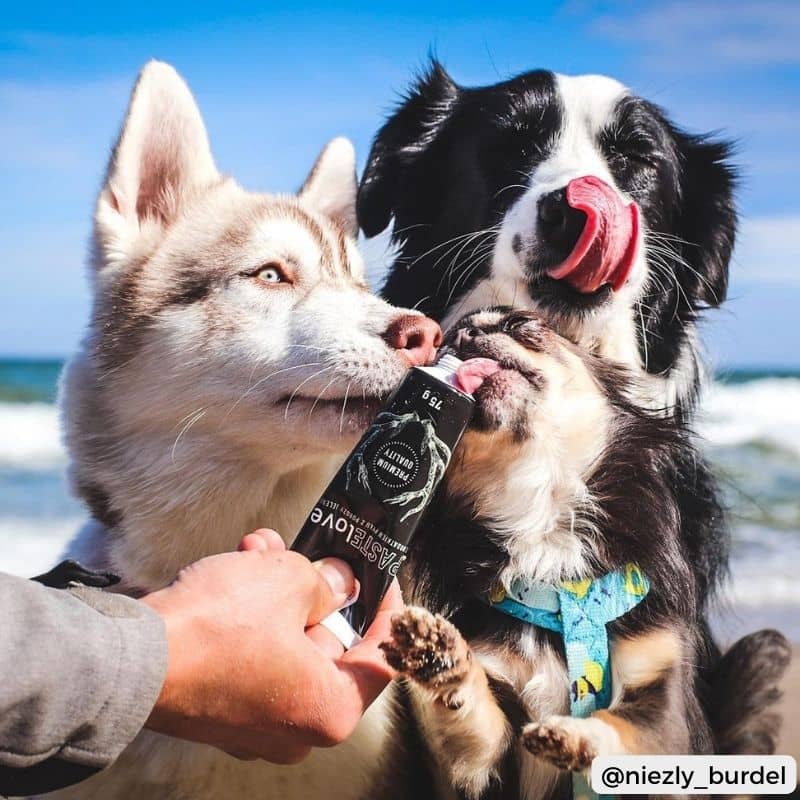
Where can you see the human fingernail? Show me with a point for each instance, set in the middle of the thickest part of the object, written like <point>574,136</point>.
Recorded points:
<point>339,576</point>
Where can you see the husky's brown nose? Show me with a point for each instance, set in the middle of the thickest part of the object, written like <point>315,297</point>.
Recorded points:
<point>415,337</point>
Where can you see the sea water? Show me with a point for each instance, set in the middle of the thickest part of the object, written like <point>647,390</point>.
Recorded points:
<point>750,421</point>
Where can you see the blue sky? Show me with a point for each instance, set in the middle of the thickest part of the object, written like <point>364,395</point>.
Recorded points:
<point>275,83</point>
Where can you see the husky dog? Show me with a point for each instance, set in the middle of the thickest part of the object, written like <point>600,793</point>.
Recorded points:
<point>233,358</point>
<point>220,379</point>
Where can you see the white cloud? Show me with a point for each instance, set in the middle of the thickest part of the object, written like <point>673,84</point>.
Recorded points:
<point>768,250</point>
<point>708,33</point>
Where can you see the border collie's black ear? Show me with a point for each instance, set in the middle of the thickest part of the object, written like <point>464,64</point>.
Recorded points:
<point>708,216</point>
<point>406,135</point>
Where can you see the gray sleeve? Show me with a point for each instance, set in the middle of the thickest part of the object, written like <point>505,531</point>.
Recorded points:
<point>80,671</point>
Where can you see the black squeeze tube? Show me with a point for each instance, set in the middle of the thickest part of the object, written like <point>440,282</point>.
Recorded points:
<point>373,505</point>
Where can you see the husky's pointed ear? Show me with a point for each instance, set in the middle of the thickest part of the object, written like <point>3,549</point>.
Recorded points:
<point>400,144</point>
<point>161,159</point>
<point>332,184</point>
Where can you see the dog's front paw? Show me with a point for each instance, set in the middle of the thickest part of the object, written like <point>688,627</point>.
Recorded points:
<point>566,742</point>
<point>429,650</point>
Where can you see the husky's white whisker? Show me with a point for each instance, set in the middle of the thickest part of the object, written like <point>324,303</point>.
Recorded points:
<point>344,407</point>
<point>197,416</point>
<point>300,385</point>
<point>319,396</point>
<point>258,383</point>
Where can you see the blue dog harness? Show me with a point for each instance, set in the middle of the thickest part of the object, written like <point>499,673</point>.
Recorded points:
<point>579,611</point>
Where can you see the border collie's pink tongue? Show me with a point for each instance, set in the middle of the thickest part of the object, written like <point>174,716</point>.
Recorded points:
<point>606,249</point>
<point>473,372</point>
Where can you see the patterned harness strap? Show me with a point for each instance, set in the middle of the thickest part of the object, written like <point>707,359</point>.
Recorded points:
<point>579,611</point>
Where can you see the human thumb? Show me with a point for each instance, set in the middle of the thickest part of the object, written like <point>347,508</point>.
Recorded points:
<point>337,588</point>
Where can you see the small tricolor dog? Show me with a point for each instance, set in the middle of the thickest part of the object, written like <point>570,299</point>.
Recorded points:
<point>567,619</point>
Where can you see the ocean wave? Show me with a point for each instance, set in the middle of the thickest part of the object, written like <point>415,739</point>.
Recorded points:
<point>31,546</point>
<point>758,591</point>
<point>764,565</point>
<point>761,411</point>
<point>30,436</point>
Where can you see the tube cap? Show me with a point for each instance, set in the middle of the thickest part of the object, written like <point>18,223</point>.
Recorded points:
<point>449,362</point>
<point>341,629</point>
<point>445,370</point>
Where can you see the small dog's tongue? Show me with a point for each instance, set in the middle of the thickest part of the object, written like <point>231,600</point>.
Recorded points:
<point>473,372</point>
<point>606,249</point>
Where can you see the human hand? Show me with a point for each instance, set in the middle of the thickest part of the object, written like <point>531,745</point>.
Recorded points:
<point>249,670</point>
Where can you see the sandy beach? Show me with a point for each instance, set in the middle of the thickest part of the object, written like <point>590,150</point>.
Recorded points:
<point>730,622</point>
<point>790,707</point>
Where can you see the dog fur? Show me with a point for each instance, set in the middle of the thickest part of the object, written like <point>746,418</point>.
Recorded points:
<point>461,172</point>
<point>562,476</point>
<point>237,298</point>
<point>233,358</point>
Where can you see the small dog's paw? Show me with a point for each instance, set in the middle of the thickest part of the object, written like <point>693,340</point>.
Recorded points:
<point>563,741</point>
<point>429,650</point>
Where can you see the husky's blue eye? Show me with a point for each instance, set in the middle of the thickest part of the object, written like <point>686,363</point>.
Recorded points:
<point>271,273</point>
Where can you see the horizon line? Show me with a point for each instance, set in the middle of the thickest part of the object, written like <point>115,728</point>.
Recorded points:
<point>717,370</point>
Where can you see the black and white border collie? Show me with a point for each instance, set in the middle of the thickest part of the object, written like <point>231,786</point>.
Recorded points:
<point>488,192</point>
<point>576,199</point>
